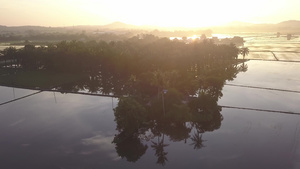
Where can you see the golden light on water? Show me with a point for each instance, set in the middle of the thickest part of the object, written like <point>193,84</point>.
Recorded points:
<point>194,37</point>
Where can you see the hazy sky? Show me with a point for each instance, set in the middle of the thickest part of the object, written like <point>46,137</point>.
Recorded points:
<point>187,13</point>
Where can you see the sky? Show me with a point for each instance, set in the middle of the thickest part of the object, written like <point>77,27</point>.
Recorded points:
<point>166,13</point>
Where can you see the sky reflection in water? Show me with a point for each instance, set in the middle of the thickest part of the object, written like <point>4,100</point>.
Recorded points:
<point>54,130</point>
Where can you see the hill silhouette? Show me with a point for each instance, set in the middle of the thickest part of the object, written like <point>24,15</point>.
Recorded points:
<point>120,25</point>
<point>290,23</point>
<point>290,26</point>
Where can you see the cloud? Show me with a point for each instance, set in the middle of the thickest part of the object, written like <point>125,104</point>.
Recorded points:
<point>102,144</point>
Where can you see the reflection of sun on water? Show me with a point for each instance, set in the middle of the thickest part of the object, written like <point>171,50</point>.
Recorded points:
<point>194,37</point>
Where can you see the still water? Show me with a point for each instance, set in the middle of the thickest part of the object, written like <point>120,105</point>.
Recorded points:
<point>55,130</point>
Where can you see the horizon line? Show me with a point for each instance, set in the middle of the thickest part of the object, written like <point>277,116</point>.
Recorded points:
<point>155,26</point>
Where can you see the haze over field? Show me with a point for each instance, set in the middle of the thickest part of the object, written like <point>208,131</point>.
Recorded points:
<point>165,13</point>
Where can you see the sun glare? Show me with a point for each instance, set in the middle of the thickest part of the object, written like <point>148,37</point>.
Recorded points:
<point>167,13</point>
<point>194,37</point>
<point>162,13</point>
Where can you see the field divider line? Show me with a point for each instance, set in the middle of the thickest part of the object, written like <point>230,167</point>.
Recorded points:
<point>263,88</point>
<point>20,98</point>
<point>263,110</point>
<point>82,93</point>
<point>292,61</point>
<point>275,56</point>
<point>254,51</point>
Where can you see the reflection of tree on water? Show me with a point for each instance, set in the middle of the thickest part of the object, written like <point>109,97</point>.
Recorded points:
<point>129,146</point>
<point>185,117</point>
<point>197,141</point>
<point>130,116</point>
<point>134,119</point>
<point>179,104</point>
<point>159,150</point>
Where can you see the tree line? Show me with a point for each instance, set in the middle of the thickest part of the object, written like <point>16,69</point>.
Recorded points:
<point>144,61</point>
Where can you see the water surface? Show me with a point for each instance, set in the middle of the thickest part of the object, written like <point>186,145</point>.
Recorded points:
<point>55,130</point>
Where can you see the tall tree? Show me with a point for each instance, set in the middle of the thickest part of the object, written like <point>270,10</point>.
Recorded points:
<point>244,51</point>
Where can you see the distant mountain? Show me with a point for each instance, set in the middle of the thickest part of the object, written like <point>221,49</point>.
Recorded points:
<point>285,27</point>
<point>290,26</point>
<point>290,23</point>
<point>120,25</point>
<point>294,23</point>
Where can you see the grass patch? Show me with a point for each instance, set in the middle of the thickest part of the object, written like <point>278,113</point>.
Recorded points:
<point>37,79</point>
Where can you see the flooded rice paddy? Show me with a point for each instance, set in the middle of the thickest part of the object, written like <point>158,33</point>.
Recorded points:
<point>259,126</point>
<point>269,47</point>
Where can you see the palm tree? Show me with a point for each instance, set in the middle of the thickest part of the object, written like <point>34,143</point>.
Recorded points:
<point>158,80</point>
<point>160,152</point>
<point>244,51</point>
<point>197,140</point>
